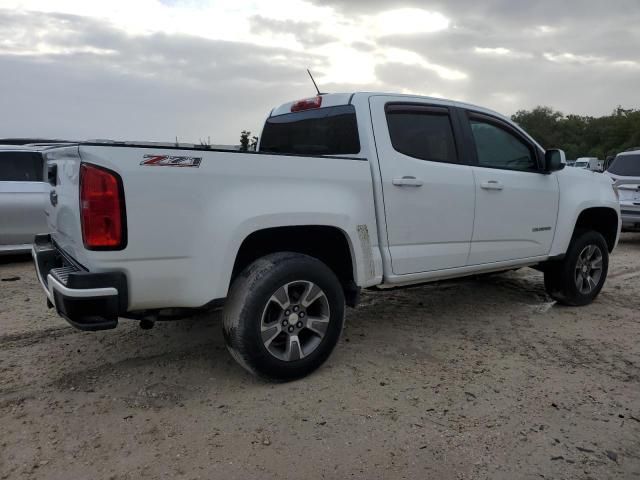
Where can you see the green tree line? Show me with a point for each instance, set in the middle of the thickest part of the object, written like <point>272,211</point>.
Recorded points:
<point>582,136</point>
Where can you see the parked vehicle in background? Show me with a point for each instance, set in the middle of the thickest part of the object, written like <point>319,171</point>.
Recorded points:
<point>23,196</point>
<point>581,163</point>
<point>32,142</point>
<point>347,191</point>
<point>596,165</point>
<point>589,163</point>
<point>625,171</point>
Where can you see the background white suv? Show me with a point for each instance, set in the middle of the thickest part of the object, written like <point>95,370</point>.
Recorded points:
<point>625,171</point>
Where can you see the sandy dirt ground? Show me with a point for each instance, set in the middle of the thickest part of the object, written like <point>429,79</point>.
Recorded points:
<point>482,378</point>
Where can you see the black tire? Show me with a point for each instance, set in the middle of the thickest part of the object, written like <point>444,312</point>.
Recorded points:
<point>560,277</point>
<point>250,301</point>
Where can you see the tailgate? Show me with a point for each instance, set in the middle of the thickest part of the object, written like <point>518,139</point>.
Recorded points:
<point>63,205</point>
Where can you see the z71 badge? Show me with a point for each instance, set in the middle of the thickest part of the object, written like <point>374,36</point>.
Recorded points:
<point>171,161</point>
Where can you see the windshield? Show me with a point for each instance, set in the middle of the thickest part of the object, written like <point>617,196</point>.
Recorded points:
<point>626,165</point>
<point>322,131</point>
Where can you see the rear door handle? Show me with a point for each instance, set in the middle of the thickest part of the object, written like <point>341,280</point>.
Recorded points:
<point>492,185</point>
<point>407,182</point>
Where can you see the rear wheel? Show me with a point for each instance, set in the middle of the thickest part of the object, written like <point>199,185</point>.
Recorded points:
<point>284,315</point>
<point>579,277</point>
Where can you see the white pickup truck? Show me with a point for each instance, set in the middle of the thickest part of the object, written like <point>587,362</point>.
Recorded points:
<point>347,191</point>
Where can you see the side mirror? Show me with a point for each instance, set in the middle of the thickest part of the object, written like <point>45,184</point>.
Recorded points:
<point>554,160</point>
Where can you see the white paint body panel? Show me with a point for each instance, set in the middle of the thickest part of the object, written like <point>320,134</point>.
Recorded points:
<point>186,225</point>
<point>505,219</point>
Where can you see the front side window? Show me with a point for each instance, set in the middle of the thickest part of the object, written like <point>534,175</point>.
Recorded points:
<point>498,148</point>
<point>422,132</point>
<point>21,167</point>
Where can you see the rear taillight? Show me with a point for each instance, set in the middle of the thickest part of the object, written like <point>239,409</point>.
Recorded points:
<point>307,104</point>
<point>102,209</point>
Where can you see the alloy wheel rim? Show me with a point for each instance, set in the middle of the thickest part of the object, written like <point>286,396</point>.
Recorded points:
<point>295,320</point>
<point>588,269</point>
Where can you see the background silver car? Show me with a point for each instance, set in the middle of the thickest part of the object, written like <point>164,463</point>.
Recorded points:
<point>625,171</point>
<point>23,195</point>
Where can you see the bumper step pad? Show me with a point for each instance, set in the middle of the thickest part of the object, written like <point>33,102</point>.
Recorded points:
<point>88,301</point>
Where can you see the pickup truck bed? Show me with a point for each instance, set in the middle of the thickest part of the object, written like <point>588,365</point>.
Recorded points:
<point>183,221</point>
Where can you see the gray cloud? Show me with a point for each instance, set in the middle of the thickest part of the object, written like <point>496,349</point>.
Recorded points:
<point>593,43</point>
<point>307,33</point>
<point>592,27</point>
<point>150,87</point>
<point>96,80</point>
<point>496,11</point>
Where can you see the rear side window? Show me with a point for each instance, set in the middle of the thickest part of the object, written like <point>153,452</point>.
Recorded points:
<point>21,167</point>
<point>322,131</point>
<point>498,148</point>
<point>422,132</point>
<point>626,165</point>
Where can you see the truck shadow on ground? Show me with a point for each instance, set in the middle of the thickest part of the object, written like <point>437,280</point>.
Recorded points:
<point>190,354</point>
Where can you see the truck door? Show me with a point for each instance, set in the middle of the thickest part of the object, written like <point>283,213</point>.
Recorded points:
<point>428,189</point>
<point>516,202</point>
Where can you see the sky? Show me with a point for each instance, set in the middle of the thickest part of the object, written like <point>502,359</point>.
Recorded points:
<point>206,69</point>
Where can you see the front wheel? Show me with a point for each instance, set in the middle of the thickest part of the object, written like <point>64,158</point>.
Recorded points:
<point>579,277</point>
<point>284,315</point>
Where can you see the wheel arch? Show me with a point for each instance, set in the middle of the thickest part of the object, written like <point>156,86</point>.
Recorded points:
<point>328,243</point>
<point>603,220</point>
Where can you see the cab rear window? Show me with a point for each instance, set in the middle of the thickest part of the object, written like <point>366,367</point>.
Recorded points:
<point>626,165</point>
<point>322,131</point>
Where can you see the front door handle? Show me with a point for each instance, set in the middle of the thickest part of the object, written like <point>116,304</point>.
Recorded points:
<point>492,185</point>
<point>407,182</point>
